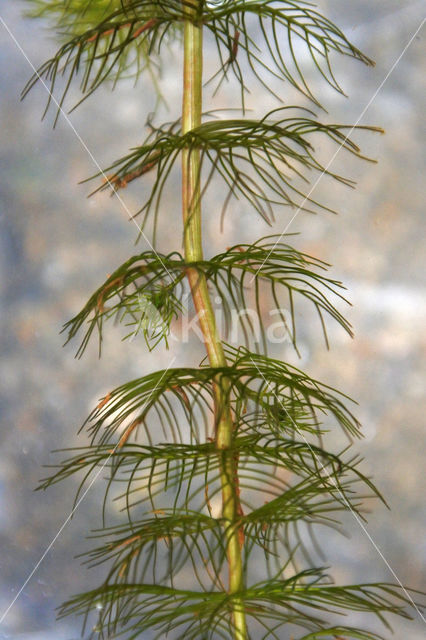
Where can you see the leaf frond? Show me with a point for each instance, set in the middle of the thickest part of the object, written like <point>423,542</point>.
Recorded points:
<point>275,389</point>
<point>258,160</point>
<point>298,600</point>
<point>103,47</point>
<point>273,38</point>
<point>146,292</point>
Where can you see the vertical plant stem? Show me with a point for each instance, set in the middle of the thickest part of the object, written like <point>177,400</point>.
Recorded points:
<point>191,203</point>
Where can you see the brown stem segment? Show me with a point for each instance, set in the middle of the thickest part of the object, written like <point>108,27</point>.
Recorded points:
<point>191,203</point>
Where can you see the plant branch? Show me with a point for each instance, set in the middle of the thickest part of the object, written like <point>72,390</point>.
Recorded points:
<point>191,202</point>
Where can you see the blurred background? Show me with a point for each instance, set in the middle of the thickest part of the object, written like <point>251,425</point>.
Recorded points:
<point>56,247</point>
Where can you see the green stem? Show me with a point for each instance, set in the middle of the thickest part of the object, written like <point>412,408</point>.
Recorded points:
<point>191,203</point>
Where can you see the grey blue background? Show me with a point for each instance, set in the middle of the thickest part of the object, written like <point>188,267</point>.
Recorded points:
<point>56,247</point>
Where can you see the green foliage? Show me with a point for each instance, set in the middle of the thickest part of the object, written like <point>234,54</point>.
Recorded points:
<point>269,262</point>
<point>156,437</point>
<point>298,600</point>
<point>257,159</point>
<point>103,33</point>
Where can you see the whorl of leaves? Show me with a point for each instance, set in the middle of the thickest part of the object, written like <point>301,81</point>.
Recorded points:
<point>157,279</point>
<point>278,389</point>
<point>297,600</point>
<point>108,40</point>
<point>258,160</point>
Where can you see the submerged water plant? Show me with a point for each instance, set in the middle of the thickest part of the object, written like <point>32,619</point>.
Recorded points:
<point>243,430</point>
